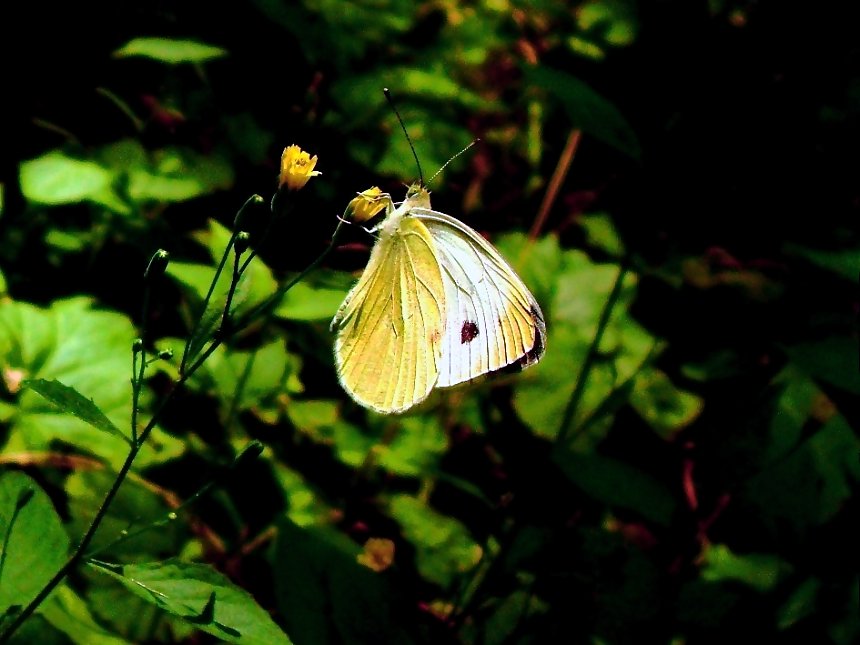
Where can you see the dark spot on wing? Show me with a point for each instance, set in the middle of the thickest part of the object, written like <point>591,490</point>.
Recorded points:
<point>469,332</point>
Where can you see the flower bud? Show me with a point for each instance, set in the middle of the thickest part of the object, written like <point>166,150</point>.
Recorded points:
<point>157,265</point>
<point>366,205</point>
<point>240,244</point>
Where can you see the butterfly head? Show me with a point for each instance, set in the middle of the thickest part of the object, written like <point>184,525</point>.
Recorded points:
<point>417,196</point>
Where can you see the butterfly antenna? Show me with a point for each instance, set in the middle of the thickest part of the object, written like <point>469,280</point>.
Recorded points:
<point>387,93</point>
<point>445,165</point>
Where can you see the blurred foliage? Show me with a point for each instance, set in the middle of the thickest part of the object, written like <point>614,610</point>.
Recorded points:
<point>691,478</point>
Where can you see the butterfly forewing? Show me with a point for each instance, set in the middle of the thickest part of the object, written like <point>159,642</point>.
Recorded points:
<point>491,318</point>
<point>391,324</point>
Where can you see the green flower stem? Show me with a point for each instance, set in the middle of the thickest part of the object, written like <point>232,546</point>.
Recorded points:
<point>264,308</point>
<point>254,200</point>
<point>588,363</point>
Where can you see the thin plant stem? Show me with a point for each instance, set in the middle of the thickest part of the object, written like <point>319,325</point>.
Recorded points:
<point>251,201</point>
<point>264,309</point>
<point>602,323</point>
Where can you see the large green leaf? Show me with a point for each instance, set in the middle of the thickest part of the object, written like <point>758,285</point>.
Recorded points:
<point>326,596</point>
<point>56,178</point>
<point>444,549</point>
<point>34,543</point>
<point>201,596</point>
<point>580,291</point>
<point>86,349</point>
<point>831,360</point>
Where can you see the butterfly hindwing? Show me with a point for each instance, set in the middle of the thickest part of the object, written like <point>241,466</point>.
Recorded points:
<point>390,327</point>
<point>491,318</point>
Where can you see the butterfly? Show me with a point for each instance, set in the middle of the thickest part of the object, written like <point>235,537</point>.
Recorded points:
<point>436,306</point>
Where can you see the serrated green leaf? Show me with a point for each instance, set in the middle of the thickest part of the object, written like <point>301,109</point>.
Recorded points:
<point>69,400</point>
<point>444,549</point>
<point>35,544</point>
<point>201,596</point>
<point>618,484</point>
<point>167,50</point>
<point>325,596</point>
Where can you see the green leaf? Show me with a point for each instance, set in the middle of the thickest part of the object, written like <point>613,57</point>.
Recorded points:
<point>201,596</point>
<point>415,448</point>
<point>135,507</point>
<point>810,485</point>
<point>34,543</point>
<point>170,51</point>
<point>177,175</point>
<point>801,603</point>
<point>661,404</point>
<point>308,302</point>
<point>68,612</point>
<point>832,360</point>
<point>444,549</point>
<point>86,349</point>
<point>325,596</point>
<point>844,263</point>
<point>304,504</point>
<point>761,571</point>
<point>248,380</point>
<point>587,110</point>
<point>600,232</point>
<point>618,484</point>
<point>580,289</point>
<point>68,399</point>
<point>55,178</point>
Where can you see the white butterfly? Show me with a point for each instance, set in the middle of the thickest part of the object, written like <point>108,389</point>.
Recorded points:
<point>436,306</point>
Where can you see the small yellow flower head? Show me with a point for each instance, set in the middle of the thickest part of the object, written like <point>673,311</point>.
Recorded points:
<point>367,204</point>
<point>378,554</point>
<point>297,166</point>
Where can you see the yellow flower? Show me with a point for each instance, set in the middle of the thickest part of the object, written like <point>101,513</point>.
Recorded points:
<point>297,166</point>
<point>367,204</point>
<point>378,554</point>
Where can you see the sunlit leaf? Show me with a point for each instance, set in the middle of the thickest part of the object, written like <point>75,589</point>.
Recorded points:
<point>86,349</point>
<point>308,302</point>
<point>200,595</point>
<point>665,407</point>
<point>443,547</point>
<point>170,51</point>
<point>73,402</point>
<point>56,178</point>
<point>35,544</point>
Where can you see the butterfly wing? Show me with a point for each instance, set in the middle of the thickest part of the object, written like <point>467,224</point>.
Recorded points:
<point>390,325</point>
<point>492,319</point>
